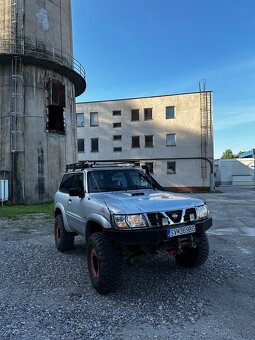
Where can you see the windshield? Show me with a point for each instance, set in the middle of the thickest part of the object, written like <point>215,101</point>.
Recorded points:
<point>116,180</point>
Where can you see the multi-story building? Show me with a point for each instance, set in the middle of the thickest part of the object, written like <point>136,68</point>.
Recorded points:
<point>171,133</point>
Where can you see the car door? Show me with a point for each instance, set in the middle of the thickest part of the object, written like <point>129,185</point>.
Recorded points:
<point>75,211</point>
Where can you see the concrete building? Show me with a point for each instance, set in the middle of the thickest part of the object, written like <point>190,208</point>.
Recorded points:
<point>172,133</point>
<point>39,80</point>
<point>236,171</point>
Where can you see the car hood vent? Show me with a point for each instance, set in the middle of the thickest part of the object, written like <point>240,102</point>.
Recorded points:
<point>137,194</point>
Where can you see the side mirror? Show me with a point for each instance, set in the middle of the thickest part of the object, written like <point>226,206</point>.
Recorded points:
<point>77,192</point>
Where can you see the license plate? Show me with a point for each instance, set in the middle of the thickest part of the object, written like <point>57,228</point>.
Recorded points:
<point>188,229</point>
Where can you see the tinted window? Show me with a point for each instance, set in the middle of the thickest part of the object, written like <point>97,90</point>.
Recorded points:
<point>71,181</point>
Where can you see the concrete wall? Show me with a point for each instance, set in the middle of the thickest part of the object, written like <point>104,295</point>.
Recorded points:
<point>235,171</point>
<point>186,125</point>
<point>34,171</point>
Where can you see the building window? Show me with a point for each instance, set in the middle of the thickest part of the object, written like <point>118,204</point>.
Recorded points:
<point>171,168</point>
<point>116,113</point>
<point>135,142</point>
<point>80,143</point>
<point>94,145</point>
<point>170,112</point>
<point>150,166</point>
<point>80,119</point>
<point>134,115</point>
<point>171,139</point>
<point>56,120</point>
<point>94,119</point>
<point>148,141</point>
<point>116,125</point>
<point>117,137</point>
<point>147,114</point>
<point>117,149</point>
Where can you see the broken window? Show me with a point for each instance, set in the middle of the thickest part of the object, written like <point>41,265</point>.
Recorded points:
<point>56,119</point>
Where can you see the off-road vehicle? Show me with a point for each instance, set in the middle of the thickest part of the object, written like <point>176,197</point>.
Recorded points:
<point>124,214</point>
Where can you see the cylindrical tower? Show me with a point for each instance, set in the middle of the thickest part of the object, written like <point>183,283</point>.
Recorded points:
<point>39,80</point>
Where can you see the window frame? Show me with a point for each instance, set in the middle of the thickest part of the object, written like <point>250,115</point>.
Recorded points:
<point>79,114</point>
<point>91,144</point>
<point>81,139</point>
<point>90,120</point>
<point>116,125</point>
<point>132,142</point>
<point>171,134</point>
<point>114,137</point>
<point>135,111</point>
<point>145,110</point>
<point>172,107</point>
<point>116,113</point>
<point>168,168</point>
<point>149,146</point>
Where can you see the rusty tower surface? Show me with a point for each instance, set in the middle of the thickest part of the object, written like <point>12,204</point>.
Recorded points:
<point>39,80</point>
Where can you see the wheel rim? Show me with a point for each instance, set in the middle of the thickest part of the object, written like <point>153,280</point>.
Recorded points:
<point>94,264</point>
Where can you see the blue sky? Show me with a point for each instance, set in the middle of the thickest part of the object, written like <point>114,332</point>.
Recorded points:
<point>136,48</point>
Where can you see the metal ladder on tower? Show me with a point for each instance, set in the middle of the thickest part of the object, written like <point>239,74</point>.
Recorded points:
<point>17,84</point>
<point>204,102</point>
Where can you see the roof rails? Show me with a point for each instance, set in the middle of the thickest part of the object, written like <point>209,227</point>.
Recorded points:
<point>81,165</point>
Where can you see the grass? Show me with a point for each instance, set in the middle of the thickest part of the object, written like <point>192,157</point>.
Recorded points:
<point>14,211</point>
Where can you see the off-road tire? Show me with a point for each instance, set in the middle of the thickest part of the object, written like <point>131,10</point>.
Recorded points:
<point>194,257</point>
<point>64,240</point>
<point>104,263</point>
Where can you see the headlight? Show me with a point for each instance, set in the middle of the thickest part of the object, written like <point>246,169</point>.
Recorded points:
<point>202,212</point>
<point>130,221</point>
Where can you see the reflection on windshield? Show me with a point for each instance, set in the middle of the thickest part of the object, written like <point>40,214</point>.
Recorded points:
<point>117,180</point>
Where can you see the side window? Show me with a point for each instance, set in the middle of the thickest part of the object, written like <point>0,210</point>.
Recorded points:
<point>78,181</point>
<point>66,183</point>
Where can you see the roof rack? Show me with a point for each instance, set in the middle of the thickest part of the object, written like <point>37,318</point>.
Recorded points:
<point>81,165</point>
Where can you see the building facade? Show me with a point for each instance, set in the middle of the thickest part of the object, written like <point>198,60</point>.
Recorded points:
<point>39,80</point>
<point>172,133</point>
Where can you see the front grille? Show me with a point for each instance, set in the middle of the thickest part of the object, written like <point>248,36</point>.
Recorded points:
<point>175,216</point>
<point>188,212</point>
<point>155,219</point>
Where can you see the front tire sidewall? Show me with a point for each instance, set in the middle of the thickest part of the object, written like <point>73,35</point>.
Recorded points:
<point>104,263</point>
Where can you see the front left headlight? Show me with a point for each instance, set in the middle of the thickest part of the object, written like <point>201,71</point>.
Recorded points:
<point>202,211</point>
<point>130,221</point>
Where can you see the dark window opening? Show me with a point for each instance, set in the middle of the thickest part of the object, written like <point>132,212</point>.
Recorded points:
<point>150,166</point>
<point>134,115</point>
<point>116,113</point>
<point>116,125</point>
<point>80,143</point>
<point>117,149</point>
<point>56,120</point>
<point>147,114</point>
<point>148,141</point>
<point>94,145</point>
<point>135,142</point>
<point>171,167</point>
<point>117,137</point>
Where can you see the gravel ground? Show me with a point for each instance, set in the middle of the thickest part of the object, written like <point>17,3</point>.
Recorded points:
<point>45,294</point>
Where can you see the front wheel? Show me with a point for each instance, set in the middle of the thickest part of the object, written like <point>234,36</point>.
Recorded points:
<point>194,257</point>
<point>64,240</point>
<point>104,263</point>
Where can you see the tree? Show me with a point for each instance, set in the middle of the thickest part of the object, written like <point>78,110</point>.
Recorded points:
<point>228,153</point>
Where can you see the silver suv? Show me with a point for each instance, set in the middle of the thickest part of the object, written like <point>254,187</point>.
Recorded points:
<point>123,215</point>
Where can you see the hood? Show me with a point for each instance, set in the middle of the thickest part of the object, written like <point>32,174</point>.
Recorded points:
<point>144,201</point>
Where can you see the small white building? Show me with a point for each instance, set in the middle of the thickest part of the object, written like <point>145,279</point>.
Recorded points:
<point>171,133</point>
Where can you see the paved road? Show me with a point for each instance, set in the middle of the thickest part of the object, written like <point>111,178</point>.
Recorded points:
<point>47,295</point>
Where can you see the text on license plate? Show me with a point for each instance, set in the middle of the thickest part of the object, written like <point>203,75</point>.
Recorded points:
<point>188,229</point>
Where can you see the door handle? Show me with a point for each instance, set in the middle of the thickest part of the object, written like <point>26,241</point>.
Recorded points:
<point>69,201</point>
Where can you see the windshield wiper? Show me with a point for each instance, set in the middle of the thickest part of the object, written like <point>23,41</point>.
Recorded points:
<point>135,187</point>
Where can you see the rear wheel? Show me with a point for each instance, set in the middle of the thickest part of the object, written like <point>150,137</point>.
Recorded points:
<point>64,240</point>
<point>104,263</point>
<point>194,257</point>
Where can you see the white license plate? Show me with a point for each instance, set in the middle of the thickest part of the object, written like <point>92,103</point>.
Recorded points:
<point>188,229</point>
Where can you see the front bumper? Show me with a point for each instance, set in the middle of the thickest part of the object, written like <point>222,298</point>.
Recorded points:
<point>153,235</point>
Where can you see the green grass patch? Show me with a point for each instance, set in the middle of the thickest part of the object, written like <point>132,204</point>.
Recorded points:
<point>14,211</point>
